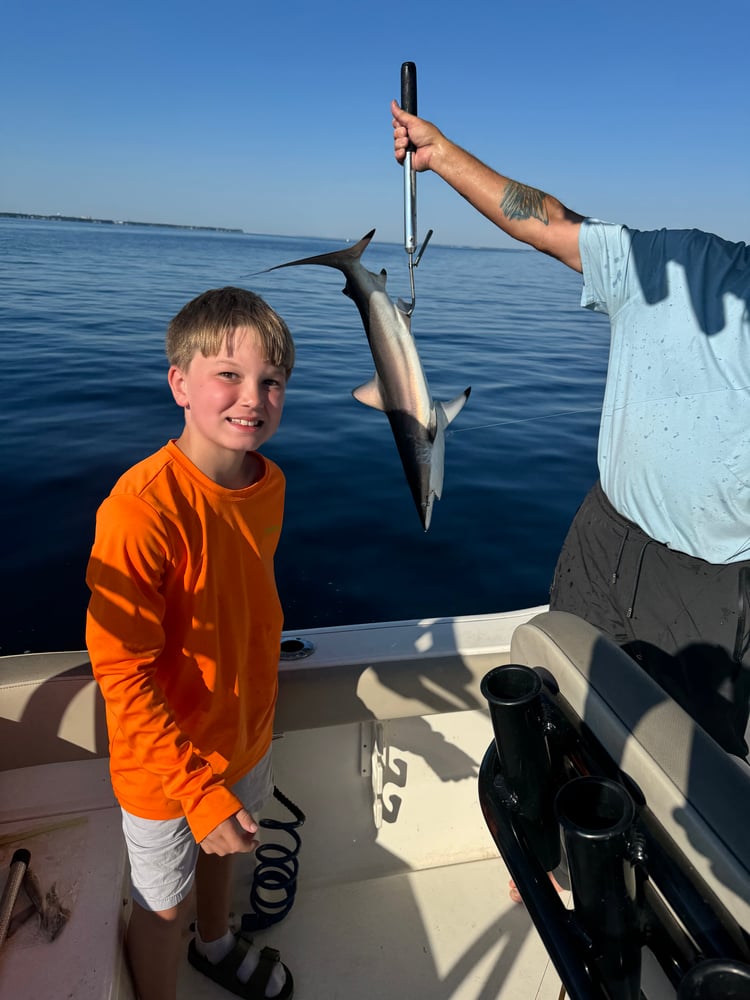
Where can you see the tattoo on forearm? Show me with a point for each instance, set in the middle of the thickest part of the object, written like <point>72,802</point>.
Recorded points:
<point>522,202</point>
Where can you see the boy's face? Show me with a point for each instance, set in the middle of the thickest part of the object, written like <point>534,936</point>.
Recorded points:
<point>233,402</point>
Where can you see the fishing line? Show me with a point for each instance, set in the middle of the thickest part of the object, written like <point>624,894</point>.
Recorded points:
<point>568,413</point>
<point>522,420</point>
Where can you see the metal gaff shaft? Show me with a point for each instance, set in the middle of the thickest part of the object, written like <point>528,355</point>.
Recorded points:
<point>409,104</point>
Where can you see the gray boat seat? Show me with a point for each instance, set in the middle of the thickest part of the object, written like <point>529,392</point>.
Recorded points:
<point>699,793</point>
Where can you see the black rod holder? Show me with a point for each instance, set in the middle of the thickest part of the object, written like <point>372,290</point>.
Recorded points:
<point>702,949</point>
<point>565,945</point>
<point>514,695</point>
<point>596,816</point>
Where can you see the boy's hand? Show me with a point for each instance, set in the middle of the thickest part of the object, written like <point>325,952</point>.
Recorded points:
<point>232,836</point>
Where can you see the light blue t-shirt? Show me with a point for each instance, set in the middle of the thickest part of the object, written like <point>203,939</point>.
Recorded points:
<point>674,442</point>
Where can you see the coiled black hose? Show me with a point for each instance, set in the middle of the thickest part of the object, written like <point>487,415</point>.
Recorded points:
<point>275,880</point>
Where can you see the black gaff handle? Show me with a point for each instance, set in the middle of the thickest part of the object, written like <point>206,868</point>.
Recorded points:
<point>409,92</point>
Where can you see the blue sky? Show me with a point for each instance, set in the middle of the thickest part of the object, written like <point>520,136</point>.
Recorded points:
<point>273,117</point>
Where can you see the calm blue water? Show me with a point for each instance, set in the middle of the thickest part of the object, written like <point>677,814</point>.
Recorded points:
<point>83,395</point>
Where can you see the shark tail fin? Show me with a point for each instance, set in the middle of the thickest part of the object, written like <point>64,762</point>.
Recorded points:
<point>334,259</point>
<point>444,414</point>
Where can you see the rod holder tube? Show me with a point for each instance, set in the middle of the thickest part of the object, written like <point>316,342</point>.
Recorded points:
<point>514,696</point>
<point>716,979</point>
<point>596,816</point>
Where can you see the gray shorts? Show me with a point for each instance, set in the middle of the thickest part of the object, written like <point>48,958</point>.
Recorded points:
<point>163,852</point>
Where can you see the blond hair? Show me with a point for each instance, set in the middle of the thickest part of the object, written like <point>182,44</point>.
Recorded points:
<point>213,317</point>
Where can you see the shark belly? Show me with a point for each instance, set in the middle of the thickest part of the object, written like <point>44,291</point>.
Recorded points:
<point>402,380</point>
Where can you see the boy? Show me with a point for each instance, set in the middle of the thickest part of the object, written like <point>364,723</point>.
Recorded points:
<point>183,630</point>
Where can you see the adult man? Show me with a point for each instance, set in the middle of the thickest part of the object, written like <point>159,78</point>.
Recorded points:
<point>658,555</point>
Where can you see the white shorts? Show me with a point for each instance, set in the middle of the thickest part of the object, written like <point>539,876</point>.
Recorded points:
<point>163,852</point>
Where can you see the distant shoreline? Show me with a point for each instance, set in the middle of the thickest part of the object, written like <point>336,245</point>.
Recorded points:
<point>115,222</point>
<point>512,248</point>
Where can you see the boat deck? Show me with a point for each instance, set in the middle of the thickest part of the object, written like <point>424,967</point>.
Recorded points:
<point>401,892</point>
<point>445,933</point>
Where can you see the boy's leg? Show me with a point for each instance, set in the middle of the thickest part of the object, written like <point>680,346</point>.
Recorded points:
<point>217,952</point>
<point>162,857</point>
<point>213,886</point>
<point>215,944</point>
<point>154,947</point>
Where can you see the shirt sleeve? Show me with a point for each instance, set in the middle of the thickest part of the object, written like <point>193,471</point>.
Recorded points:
<point>605,250</point>
<point>125,637</point>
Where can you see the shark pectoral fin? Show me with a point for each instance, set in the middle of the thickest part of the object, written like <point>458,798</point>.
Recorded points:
<point>451,410</point>
<point>369,394</point>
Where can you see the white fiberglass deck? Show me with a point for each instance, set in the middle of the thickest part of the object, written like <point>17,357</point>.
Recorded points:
<point>401,891</point>
<point>443,933</point>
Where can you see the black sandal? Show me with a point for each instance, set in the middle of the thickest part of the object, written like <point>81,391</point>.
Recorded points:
<point>225,972</point>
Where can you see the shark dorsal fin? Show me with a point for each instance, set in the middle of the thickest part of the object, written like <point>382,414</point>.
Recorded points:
<point>369,394</point>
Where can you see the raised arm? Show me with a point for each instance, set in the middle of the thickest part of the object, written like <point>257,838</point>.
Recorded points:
<point>523,212</point>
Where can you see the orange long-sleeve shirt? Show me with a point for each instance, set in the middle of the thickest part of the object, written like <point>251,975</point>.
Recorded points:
<point>183,630</point>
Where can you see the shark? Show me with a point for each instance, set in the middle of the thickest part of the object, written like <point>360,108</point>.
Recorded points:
<point>399,387</point>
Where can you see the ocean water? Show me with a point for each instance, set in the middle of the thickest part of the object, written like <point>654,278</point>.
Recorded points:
<point>83,395</point>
